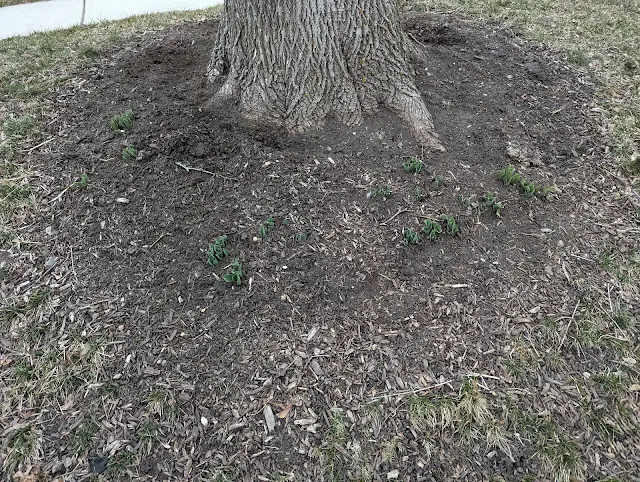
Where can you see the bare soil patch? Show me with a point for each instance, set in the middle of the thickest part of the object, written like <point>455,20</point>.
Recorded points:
<point>338,325</point>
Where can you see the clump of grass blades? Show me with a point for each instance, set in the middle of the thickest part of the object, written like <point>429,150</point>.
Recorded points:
<point>413,165</point>
<point>82,436</point>
<point>24,446</point>
<point>19,127</point>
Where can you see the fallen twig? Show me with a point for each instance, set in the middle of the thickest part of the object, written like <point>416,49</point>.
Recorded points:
<point>394,216</point>
<point>569,325</point>
<point>158,240</point>
<point>197,169</point>
<point>190,168</point>
<point>44,143</point>
<point>409,392</point>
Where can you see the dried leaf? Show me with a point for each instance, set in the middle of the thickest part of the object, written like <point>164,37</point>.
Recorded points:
<point>285,411</point>
<point>33,475</point>
<point>5,361</point>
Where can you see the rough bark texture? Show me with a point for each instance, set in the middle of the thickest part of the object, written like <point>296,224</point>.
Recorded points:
<point>295,62</point>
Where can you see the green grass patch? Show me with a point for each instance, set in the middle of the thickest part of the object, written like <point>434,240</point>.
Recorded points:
<point>120,463</point>
<point>82,437</point>
<point>331,451</point>
<point>50,374</point>
<point>24,446</point>
<point>19,127</point>
<point>34,64</point>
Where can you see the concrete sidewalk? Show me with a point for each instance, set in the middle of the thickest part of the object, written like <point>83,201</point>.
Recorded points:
<point>18,20</point>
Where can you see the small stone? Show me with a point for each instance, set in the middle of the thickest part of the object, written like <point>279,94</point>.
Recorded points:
<point>560,244</point>
<point>122,200</point>
<point>394,474</point>
<point>204,421</point>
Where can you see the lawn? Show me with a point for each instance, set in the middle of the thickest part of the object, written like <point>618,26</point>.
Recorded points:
<point>6,3</point>
<point>189,297</point>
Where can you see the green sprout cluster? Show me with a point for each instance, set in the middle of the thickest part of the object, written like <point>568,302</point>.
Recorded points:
<point>381,191</point>
<point>490,200</point>
<point>264,227</point>
<point>217,251</point>
<point>439,180</point>
<point>509,176</point>
<point>82,182</point>
<point>413,164</point>
<point>420,194</point>
<point>410,236</point>
<point>431,228</point>
<point>235,275</point>
<point>129,153</point>
<point>122,122</point>
<point>452,225</point>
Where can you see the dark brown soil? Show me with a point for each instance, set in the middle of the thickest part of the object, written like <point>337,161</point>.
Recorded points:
<point>331,322</point>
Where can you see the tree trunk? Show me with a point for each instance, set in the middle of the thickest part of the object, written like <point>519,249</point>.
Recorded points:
<point>295,62</point>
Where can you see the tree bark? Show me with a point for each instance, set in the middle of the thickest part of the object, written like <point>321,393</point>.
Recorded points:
<point>295,62</point>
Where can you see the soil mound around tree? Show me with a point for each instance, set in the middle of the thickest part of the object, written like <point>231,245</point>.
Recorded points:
<point>324,362</point>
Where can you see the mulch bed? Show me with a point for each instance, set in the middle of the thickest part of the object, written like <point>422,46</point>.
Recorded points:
<point>335,314</point>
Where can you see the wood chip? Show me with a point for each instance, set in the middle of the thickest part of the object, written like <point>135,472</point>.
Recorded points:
<point>269,418</point>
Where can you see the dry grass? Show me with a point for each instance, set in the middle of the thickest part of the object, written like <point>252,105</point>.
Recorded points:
<point>40,375</point>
